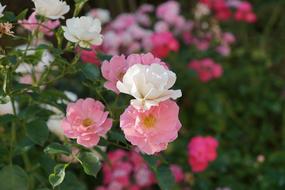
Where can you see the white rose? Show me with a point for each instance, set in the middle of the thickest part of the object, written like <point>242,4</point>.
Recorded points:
<point>8,108</point>
<point>149,85</point>
<point>52,9</point>
<point>102,14</point>
<point>83,30</point>
<point>1,10</point>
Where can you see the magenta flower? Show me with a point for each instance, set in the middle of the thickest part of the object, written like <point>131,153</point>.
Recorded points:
<point>114,70</point>
<point>245,13</point>
<point>153,129</point>
<point>177,172</point>
<point>86,121</point>
<point>206,69</point>
<point>201,151</point>
<point>162,43</point>
<point>89,55</point>
<point>33,24</point>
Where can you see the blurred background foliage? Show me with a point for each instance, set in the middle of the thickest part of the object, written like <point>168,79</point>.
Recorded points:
<point>244,109</point>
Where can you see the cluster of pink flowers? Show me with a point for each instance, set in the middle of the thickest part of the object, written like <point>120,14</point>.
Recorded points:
<point>128,170</point>
<point>32,24</point>
<point>201,151</point>
<point>126,34</point>
<point>224,10</point>
<point>206,69</point>
<point>86,121</point>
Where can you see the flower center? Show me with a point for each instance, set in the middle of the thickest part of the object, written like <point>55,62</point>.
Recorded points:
<point>149,121</point>
<point>87,122</point>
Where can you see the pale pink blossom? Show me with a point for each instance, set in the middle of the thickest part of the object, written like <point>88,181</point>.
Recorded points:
<point>86,121</point>
<point>224,50</point>
<point>146,8</point>
<point>102,14</point>
<point>113,71</point>
<point>123,21</point>
<point>153,129</point>
<point>168,11</point>
<point>206,69</point>
<point>33,24</point>
<point>201,151</point>
<point>161,26</point>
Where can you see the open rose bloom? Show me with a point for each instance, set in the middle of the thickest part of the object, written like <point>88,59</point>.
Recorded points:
<point>86,121</point>
<point>149,85</point>
<point>151,130</point>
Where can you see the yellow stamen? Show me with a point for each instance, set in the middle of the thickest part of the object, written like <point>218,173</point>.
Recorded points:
<point>149,121</point>
<point>87,122</point>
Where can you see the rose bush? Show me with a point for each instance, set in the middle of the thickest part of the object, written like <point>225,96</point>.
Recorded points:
<point>171,95</point>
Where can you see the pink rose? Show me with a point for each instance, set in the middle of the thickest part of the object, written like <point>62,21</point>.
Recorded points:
<point>153,129</point>
<point>86,121</point>
<point>201,151</point>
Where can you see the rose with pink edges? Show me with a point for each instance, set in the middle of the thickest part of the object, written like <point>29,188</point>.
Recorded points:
<point>86,121</point>
<point>151,130</point>
<point>115,69</point>
<point>201,151</point>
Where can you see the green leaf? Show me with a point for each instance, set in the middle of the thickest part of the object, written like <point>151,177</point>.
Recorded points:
<point>164,177</point>
<point>57,177</point>
<point>13,178</point>
<point>151,161</point>
<point>90,71</point>
<point>71,182</point>
<point>22,15</point>
<point>7,118</point>
<point>37,131</point>
<point>103,57</point>
<point>56,148</point>
<point>162,172</point>
<point>90,163</point>
<point>117,136</point>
